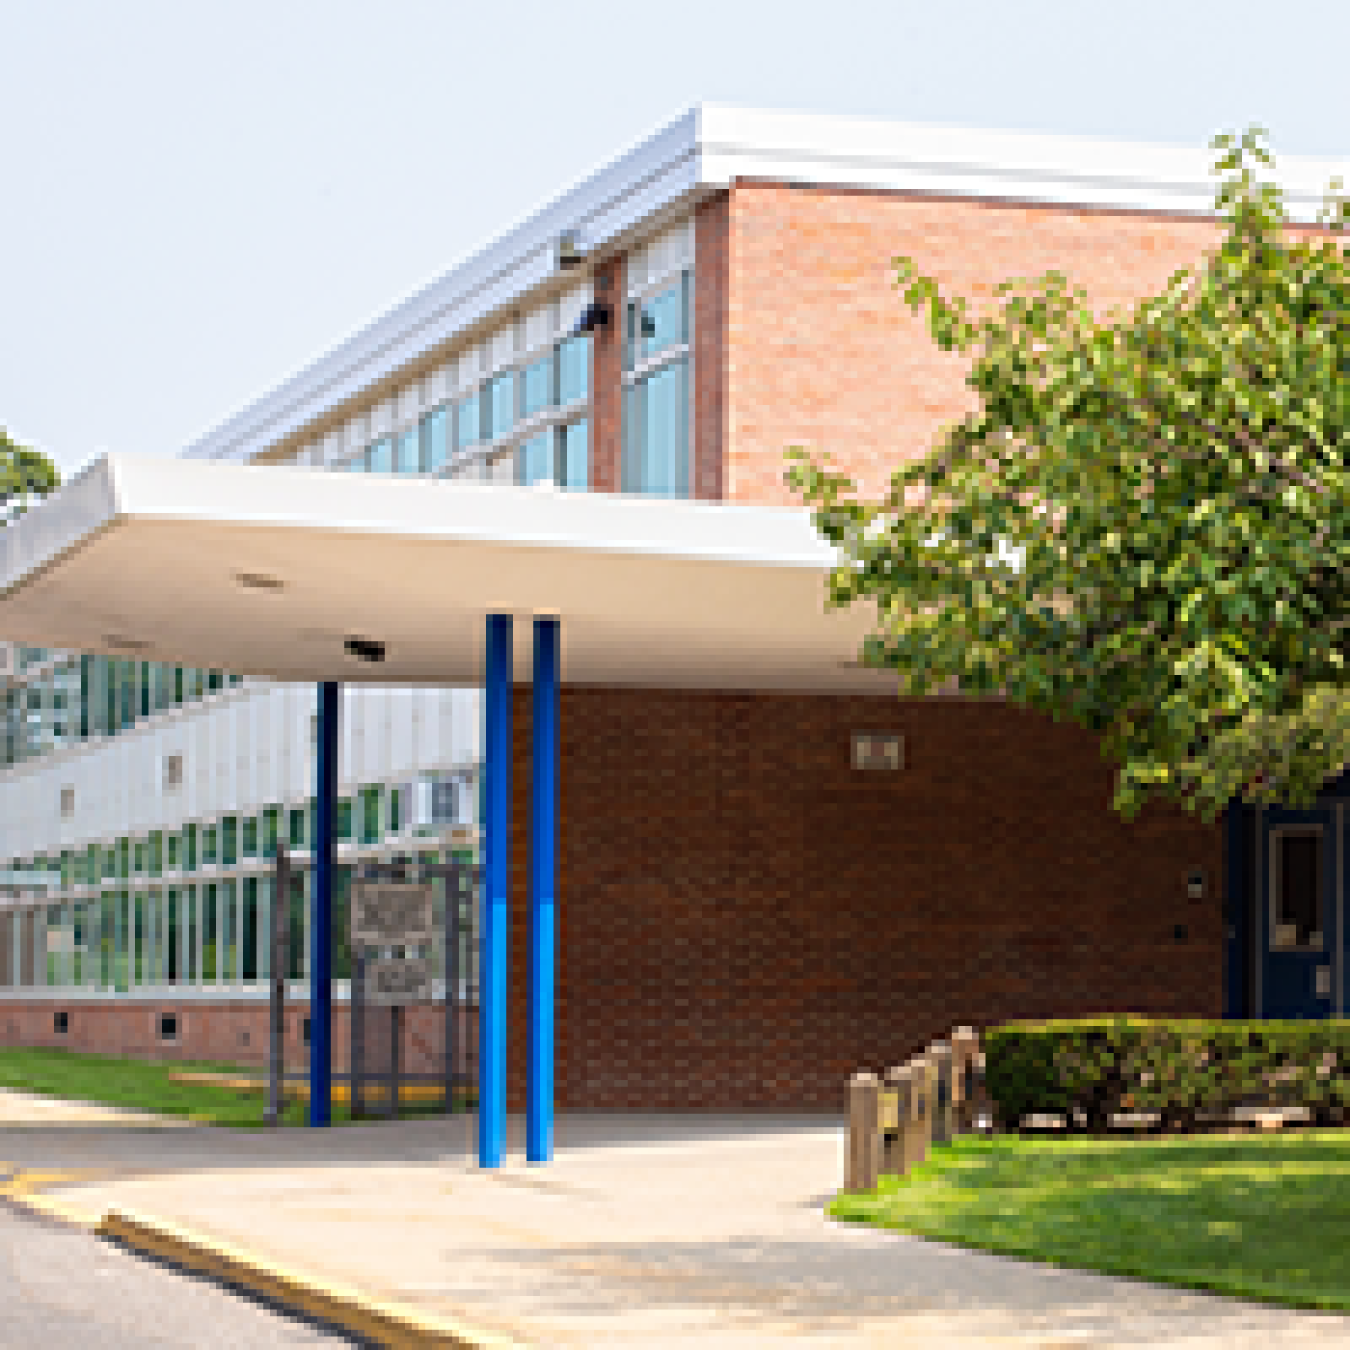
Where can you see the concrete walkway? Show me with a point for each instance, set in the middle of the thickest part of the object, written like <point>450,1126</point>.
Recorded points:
<point>644,1231</point>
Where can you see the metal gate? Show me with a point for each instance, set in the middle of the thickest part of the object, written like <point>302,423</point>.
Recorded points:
<point>425,1055</point>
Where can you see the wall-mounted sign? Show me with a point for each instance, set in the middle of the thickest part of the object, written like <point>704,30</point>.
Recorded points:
<point>878,750</point>
<point>391,914</point>
<point>394,981</point>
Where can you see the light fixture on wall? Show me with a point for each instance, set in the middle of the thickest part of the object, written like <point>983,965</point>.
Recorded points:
<point>1195,883</point>
<point>364,649</point>
<point>571,250</point>
<point>595,315</point>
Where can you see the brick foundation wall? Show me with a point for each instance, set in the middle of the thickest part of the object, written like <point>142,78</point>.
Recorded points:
<point>747,919</point>
<point>235,1032</point>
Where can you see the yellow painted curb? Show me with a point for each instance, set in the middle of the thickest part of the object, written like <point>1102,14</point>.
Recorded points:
<point>56,1209</point>
<point>292,1091</point>
<point>384,1323</point>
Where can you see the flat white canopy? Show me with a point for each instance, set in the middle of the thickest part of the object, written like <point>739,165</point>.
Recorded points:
<point>268,571</point>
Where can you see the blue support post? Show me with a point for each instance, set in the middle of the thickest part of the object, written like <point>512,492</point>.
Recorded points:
<point>496,908</point>
<point>543,890</point>
<point>321,911</point>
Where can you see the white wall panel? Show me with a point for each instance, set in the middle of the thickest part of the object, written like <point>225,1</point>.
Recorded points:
<point>242,749</point>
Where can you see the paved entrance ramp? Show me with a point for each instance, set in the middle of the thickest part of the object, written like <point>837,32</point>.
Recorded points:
<point>644,1231</point>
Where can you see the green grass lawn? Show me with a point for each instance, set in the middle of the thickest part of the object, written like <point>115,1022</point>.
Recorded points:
<point>1258,1217</point>
<point>148,1087</point>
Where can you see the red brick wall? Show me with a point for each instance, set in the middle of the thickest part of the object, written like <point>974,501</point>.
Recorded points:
<point>232,1032</point>
<point>747,919</point>
<point>823,352</point>
<point>607,381</point>
<point>712,261</point>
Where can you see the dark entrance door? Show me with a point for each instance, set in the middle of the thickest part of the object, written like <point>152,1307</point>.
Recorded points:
<point>1298,919</point>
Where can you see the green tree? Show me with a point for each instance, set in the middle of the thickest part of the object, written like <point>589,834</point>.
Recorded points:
<point>1143,527</point>
<point>24,473</point>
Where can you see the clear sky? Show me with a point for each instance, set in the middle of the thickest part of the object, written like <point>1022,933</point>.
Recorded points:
<point>202,197</point>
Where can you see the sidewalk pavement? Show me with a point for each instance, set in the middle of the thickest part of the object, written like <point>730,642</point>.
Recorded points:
<point>652,1231</point>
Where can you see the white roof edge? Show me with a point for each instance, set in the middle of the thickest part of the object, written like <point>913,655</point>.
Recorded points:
<point>51,527</point>
<point>120,489</point>
<point>705,150</point>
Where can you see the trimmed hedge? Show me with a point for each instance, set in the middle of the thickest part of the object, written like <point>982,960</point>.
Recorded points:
<point>1089,1069</point>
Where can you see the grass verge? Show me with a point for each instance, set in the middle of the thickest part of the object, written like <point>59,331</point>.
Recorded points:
<point>113,1081</point>
<point>1259,1217</point>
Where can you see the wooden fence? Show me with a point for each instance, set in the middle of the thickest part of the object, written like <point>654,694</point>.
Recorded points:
<point>933,1097</point>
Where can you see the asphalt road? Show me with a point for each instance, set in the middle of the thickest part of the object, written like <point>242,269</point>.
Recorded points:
<point>62,1288</point>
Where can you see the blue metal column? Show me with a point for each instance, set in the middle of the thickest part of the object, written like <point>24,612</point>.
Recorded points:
<point>496,908</point>
<point>321,912</point>
<point>543,890</point>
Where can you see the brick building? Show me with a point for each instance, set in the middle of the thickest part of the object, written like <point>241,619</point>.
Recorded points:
<point>744,915</point>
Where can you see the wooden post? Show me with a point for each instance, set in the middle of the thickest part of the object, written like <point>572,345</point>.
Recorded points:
<point>864,1136</point>
<point>893,1142</point>
<point>965,1047</point>
<point>940,1055</point>
<point>920,1132</point>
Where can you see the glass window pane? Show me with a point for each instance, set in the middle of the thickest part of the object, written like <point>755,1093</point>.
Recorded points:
<point>172,851</point>
<point>156,852</point>
<point>574,472</point>
<point>574,368</point>
<point>299,894</point>
<point>344,818</point>
<point>191,929</point>
<point>370,815</point>
<point>229,934</point>
<point>229,841</point>
<point>250,836</point>
<point>210,846</point>
<point>1298,895</point>
<point>380,456</point>
<point>658,323</point>
<point>190,849</point>
<point>249,925</point>
<point>435,447</point>
<point>296,832</point>
<point>408,458</point>
<point>501,401</point>
<point>536,388</point>
<point>468,422</point>
<point>107,946</point>
<point>271,831</point>
<point>656,432</point>
<point>138,938</point>
<point>535,461</point>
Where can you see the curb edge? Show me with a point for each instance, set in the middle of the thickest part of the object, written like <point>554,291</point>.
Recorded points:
<point>339,1305</point>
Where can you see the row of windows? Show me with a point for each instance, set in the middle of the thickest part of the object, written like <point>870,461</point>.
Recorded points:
<point>371,816</point>
<point>96,696</point>
<point>656,339</point>
<point>205,934</point>
<point>557,380</point>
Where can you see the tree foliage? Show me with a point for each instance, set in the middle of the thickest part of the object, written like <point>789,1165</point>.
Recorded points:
<point>1143,527</point>
<point>24,473</point>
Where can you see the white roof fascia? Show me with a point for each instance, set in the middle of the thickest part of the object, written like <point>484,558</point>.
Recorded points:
<point>1000,165</point>
<point>706,150</point>
<point>116,488</point>
<point>653,176</point>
